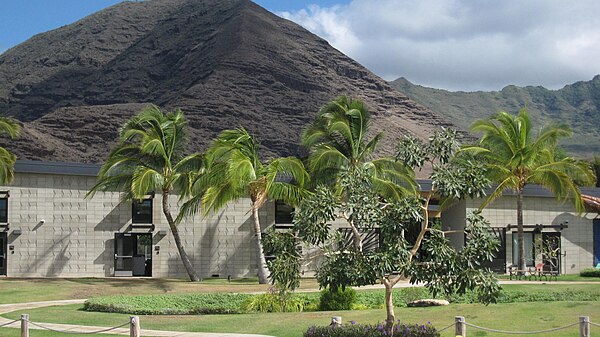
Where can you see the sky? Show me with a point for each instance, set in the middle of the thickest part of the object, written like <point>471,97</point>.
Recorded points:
<point>451,44</point>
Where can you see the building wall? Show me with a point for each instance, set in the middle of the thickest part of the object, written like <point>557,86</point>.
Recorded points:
<point>576,240</point>
<point>76,238</point>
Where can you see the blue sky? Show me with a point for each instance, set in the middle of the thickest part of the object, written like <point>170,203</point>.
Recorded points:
<point>451,44</point>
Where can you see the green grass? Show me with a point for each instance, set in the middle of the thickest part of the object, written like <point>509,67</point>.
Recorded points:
<point>14,290</point>
<point>513,316</point>
<point>562,278</point>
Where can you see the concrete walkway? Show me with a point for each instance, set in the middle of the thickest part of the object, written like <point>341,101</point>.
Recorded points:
<point>73,328</point>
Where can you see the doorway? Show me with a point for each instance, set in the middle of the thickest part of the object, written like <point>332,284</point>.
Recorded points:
<point>551,251</point>
<point>498,263</point>
<point>596,242</point>
<point>3,254</point>
<point>133,254</point>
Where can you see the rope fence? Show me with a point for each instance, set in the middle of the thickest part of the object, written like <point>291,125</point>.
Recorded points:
<point>521,332</point>
<point>9,323</point>
<point>78,332</point>
<point>134,327</point>
<point>460,328</point>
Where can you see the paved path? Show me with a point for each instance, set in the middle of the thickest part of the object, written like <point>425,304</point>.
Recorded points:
<point>73,328</point>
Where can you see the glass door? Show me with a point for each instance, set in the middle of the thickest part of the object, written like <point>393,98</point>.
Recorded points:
<point>123,254</point>
<point>3,254</point>
<point>133,254</point>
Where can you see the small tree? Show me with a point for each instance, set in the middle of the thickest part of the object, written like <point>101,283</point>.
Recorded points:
<point>425,257</point>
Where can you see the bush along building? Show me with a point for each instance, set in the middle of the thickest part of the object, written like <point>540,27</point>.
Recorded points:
<point>48,229</point>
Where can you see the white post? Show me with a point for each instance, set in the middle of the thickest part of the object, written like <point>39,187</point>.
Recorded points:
<point>460,328</point>
<point>134,326</point>
<point>584,326</point>
<point>25,325</point>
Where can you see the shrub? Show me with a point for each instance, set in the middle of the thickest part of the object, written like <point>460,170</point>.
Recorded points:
<point>590,272</point>
<point>216,303</point>
<point>270,302</point>
<point>339,299</point>
<point>359,330</point>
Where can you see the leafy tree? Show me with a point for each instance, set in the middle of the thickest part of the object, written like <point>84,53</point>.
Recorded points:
<point>148,158</point>
<point>338,142</point>
<point>7,159</point>
<point>425,257</point>
<point>515,157</point>
<point>235,171</point>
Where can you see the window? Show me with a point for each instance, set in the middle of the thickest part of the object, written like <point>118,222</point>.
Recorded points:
<point>283,213</point>
<point>528,238</point>
<point>141,211</point>
<point>3,210</point>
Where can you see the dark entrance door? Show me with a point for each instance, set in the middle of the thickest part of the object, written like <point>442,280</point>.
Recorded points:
<point>133,254</point>
<point>551,254</point>
<point>498,264</point>
<point>3,254</point>
<point>596,242</point>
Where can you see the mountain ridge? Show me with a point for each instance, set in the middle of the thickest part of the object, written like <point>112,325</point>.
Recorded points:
<point>223,63</point>
<point>577,104</point>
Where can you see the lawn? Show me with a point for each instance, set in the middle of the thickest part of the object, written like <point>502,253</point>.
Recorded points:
<point>508,316</point>
<point>513,316</point>
<point>14,290</point>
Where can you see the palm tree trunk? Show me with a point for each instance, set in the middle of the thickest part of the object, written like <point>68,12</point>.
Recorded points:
<point>189,268</point>
<point>263,272</point>
<point>520,238</point>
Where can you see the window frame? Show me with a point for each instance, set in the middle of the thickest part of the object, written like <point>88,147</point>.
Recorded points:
<point>4,215</point>
<point>135,214</point>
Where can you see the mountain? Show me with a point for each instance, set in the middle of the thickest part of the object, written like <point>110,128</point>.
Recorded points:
<point>224,63</point>
<point>576,104</point>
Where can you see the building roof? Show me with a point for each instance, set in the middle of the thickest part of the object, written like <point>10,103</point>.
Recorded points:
<point>64,168</point>
<point>43,167</point>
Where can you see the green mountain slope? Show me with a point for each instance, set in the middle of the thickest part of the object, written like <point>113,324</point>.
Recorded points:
<point>577,104</point>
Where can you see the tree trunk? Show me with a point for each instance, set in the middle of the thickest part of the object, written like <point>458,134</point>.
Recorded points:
<point>189,268</point>
<point>389,305</point>
<point>263,272</point>
<point>520,239</point>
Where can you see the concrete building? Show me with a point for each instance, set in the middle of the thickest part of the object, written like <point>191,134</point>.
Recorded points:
<point>49,229</point>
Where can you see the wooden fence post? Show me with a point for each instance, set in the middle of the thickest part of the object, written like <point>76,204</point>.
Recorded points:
<point>460,328</point>
<point>134,326</point>
<point>584,326</point>
<point>25,325</point>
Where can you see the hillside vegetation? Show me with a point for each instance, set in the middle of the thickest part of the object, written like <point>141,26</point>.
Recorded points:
<point>576,104</point>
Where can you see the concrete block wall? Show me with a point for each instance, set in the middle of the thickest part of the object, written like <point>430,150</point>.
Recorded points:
<point>576,240</point>
<point>76,238</point>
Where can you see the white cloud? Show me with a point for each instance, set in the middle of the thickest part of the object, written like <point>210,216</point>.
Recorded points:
<point>465,45</point>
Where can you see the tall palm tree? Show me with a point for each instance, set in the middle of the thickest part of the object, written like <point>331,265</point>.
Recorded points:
<point>338,140</point>
<point>516,157</point>
<point>148,158</point>
<point>7,159</point>
<point>235,171</point>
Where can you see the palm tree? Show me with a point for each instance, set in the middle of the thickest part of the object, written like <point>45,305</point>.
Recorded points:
<point>149,158</point>
<point>7,159</point>
<point>515,158</point>
<point>338,140</point>
<point>235,171</point>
